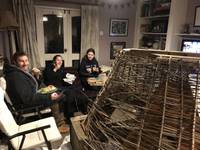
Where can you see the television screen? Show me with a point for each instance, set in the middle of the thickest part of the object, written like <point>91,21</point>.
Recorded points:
<point>191,46</point>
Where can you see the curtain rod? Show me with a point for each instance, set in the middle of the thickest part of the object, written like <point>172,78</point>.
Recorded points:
<point>57,7</point>
<point>71,2</point>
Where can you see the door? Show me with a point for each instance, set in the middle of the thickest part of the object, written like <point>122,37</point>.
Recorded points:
<point>58,33</point>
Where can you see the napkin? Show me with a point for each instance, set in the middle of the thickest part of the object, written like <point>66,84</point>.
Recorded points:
<point>69,78</point>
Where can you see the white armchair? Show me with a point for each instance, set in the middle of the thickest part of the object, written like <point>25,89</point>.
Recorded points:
<point>28,135</point>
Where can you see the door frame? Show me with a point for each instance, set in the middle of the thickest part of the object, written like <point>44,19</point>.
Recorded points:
<point>68,56</point>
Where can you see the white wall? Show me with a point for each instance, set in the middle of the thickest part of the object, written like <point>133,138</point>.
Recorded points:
<point>106,13</point>
<point>177,19</point>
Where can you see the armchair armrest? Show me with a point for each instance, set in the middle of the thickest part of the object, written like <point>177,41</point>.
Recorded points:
<point>22,113</point>
<point>27,109</point>
<point>31,131</point>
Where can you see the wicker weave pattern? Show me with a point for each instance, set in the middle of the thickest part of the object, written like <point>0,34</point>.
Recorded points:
<point>156,97</point>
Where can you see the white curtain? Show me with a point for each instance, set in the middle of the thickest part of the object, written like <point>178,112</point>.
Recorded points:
<point>7,47</point>
<point>25,14</point>
<point>89,29</point>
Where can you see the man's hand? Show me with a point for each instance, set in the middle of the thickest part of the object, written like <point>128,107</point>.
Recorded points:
<point>36,72</point>
<point>56,67</point>
<point>55,96</point>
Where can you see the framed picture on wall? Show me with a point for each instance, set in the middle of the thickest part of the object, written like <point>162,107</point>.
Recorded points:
<point>118,27</point>
<point>115,47</point>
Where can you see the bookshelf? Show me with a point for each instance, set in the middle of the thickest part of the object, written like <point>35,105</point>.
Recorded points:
<point>154,23</point>
<point>159,22</point>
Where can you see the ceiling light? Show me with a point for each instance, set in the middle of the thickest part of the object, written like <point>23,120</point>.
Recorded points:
<point>44,18</point>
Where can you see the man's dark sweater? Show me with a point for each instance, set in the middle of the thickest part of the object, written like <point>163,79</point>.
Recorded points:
<point>22,88</point>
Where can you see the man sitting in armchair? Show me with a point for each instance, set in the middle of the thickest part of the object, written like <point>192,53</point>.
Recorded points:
<point>22,88</point>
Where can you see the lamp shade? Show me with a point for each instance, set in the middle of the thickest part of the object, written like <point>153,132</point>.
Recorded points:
<point>7,20</point>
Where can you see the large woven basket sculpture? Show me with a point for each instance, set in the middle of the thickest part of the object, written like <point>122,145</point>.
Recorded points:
<point>149,102</point>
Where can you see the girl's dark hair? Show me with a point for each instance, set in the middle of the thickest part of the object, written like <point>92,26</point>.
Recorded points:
<point>90,50</point>
<point>54,58</point>
<point>17,55</point>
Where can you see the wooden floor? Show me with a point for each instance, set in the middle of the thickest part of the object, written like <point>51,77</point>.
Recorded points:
<point>56,144</point>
